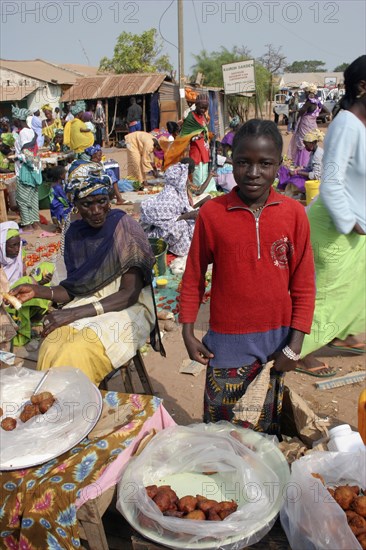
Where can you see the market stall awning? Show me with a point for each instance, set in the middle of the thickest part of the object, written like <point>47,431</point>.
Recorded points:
<point>99,87</point>
<point>15,92</point>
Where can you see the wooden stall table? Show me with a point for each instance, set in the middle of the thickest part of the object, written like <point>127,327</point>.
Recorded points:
<point>41,506</point>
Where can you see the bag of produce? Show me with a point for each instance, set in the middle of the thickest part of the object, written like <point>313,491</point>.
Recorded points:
<point>208,486</point>
<point>324,496</point>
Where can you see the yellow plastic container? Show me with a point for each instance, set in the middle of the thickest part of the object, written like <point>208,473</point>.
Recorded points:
<point>311,189</point>
<point>362,415</point>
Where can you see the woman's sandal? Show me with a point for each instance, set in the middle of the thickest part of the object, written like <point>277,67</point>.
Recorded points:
<point>314,371</point>
<point>358,349</point>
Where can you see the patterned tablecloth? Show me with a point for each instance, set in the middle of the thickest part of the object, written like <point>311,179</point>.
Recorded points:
<point>38,505</point>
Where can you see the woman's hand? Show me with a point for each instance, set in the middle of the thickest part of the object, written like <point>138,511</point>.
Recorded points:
<point>47,278</point>
<point>24,293</point>
<point>57,319</point>
<point>358,229</point>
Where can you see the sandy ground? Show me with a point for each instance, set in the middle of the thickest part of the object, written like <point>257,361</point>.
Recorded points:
<point>183,393</point>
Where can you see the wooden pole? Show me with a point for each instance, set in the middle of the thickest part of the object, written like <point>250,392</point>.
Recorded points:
<point>144,113</point>
<point>180,56</point>
<point>106,123</point>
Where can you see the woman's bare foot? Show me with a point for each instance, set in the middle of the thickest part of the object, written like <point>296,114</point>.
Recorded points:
<point>350,344</point>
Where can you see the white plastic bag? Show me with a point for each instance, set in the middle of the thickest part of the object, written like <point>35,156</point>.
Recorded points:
<point>311,518</point>
<point>243,465</point>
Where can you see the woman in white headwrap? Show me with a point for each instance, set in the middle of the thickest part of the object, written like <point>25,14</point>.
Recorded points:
<point>28,170</point>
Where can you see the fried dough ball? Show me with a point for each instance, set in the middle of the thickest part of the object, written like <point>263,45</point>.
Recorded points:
<point>344,496</point>
<point>1,411</point>
<point>166,489</point>
<point>226,508</point>
<point>152,491</point>
<point>46,404</point>
<point>173,514</point>
<point>362,540</point>
<point>355,489</point>
<point>9,424</point>
<point>41,397</point>
<point>331,491</point>
<point>206,505</point>
<point>162,501</point>
<point>359,506</point>
<point>318,476</point>
<point>200,498</point>
<point>213,515</point>
<point>29,412</point>
<point>197,515</point>
<point>357,525</point>
<point>187,504</point>
<point>350,515</point>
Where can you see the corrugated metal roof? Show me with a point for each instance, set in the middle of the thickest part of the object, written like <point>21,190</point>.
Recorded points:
<point>41,70</point>
<point>15,93</point>
<point>108,85</point>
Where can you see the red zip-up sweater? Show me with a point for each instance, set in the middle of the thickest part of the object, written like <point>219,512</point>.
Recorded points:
<point>263,270</point>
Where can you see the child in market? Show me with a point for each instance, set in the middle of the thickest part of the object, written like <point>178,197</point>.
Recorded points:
<point>263,290</point>
<point>59,204</point>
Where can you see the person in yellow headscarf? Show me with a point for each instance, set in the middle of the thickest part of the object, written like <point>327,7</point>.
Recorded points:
<point>50,124</point>
<point>11,260</point>
<point>77,135</point>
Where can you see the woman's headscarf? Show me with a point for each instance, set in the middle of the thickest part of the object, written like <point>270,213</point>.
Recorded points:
<point>311,88</point>
<point>20,114</point>
<point>171,202</point>
<point>8,139</point>
<point>92,185</point>
<point>79,107</point>
<point>90,151</point>
<point>88,116</point>
<point>46,107</point>
<point>58,132</point>
<point>13,267</point>
<point>313,135</point>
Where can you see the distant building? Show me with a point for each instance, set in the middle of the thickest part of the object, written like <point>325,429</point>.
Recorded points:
<point>322,80</point>
<point>32,83</point>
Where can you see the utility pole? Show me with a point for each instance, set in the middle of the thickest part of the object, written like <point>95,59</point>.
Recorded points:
<point>180,56</point>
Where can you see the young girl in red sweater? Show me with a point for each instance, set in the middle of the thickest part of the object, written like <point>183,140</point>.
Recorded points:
<point>263,289</point>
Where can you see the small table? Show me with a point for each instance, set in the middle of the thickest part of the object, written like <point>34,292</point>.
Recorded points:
<point>39,504</point>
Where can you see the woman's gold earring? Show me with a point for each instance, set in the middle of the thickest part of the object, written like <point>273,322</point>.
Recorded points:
<point>75,210</point>
<point>361,94</point>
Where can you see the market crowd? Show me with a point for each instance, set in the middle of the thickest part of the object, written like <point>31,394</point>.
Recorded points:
<point>285,280</point>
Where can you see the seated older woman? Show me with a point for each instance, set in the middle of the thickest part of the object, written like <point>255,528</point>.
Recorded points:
<point>293,180</point>
<point>170,215</point>
<point>107,303</point>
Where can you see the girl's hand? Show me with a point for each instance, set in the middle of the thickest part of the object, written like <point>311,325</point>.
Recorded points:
<point>24,293</point>
<point>283,363</point>
<point>197,351</point>
<point>57,319</point>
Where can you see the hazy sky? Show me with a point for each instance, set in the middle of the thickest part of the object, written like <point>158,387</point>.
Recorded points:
<point>84,31</point>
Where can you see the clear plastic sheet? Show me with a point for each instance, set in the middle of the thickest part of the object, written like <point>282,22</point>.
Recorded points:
<point>75,412</point>
<point>311,518</point>
<point>248,469</point>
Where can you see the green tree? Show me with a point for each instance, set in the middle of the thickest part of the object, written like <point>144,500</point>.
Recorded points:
<point>341,68</point>
<point>137,53</point>
<point>210,65</point>
<point>308,66</point>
